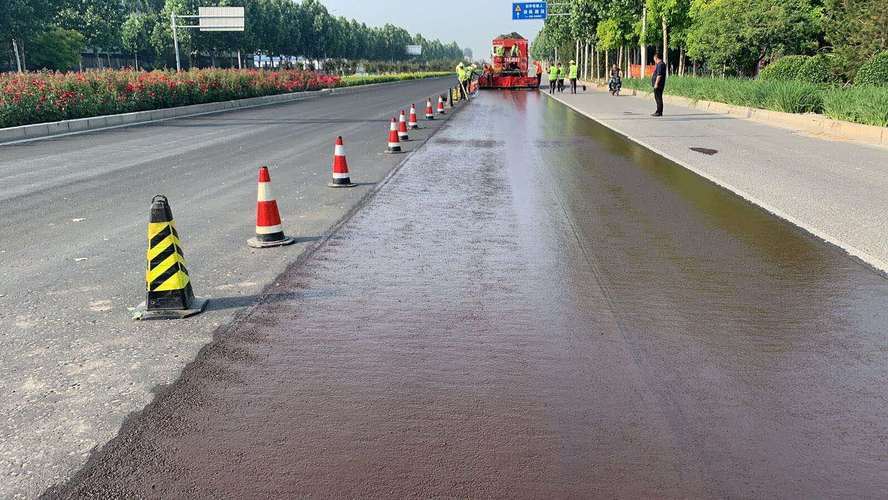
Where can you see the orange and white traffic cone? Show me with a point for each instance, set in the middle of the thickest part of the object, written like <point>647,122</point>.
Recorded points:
<point>341,178</point>
<point>412,122</point>
<point>402,127</point>
<point>394,144</point>
<point>269,232</point>
<point>441,106</point>
<point>430,113</point>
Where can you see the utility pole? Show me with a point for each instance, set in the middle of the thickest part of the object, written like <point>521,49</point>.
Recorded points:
<point>175,41</point>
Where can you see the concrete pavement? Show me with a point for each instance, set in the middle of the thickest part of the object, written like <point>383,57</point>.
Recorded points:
<point>72,362</point>
<point>836,190</point>
<point>534,307</point>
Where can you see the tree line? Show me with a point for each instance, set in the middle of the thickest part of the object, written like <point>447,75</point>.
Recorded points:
<point>724,37</point>
<point>51,33</point>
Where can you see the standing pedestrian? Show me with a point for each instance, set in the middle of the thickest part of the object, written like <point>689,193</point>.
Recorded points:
<point>658,81</point>
<point>560,78</point>
<point>572,74</point>
<point>538,69</point>
<point>553,78</point>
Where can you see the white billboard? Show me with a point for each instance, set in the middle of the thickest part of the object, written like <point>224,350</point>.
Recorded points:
<point>414,50</point>
<point>221,18</point>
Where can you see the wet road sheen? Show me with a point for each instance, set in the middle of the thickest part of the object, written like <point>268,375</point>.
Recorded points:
<point>534,307</point>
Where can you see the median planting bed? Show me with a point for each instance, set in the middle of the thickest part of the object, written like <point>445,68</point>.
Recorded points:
<point>46,97</point>
<point>859,104</point>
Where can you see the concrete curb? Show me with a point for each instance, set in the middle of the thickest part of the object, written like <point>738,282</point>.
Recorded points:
<point>809,123</point>
<point>874,262</point>
<point>80,125</point>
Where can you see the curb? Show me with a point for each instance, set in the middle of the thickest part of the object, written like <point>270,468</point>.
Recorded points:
<point>24,133</point>
<point>809,123</point>
<point>871,261</point>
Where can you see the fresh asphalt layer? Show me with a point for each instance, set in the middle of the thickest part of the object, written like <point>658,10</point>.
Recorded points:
<point>836,190</point>
<point>533,307</point>
<point>74,217</point>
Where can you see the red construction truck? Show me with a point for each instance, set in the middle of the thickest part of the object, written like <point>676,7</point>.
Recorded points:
<point>511,62</point>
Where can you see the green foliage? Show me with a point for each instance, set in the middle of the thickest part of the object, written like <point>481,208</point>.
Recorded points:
<point>57,49</point>
<point>784,68</point>
<point>857,29</point>
<point>819,69</point>
<point>867,105</point>
<point>744,34</point>
<point>353,80</point>
<point>874,71</point>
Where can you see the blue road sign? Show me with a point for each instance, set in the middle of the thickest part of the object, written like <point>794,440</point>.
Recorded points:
<point>529,10</point>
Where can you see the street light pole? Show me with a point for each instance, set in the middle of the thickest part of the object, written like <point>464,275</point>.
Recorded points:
<point>175,41</point>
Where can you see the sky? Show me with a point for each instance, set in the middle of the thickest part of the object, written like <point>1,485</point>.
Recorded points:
<point>470,23</point>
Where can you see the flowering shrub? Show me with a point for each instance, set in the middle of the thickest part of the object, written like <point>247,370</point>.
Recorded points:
<point>45,96</point>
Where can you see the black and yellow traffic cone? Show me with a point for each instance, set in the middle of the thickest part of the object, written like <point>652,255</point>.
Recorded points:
<point>166,278</point>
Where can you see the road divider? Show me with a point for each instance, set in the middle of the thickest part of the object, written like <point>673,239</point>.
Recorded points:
<point>341,177</point>
<point>167,282</point>
<point>269,229</point>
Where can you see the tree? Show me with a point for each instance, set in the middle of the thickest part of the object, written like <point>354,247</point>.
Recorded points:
<point>20,20</point>
<point>98,21</point>
<point>744,34</point>
<point>57,49</point>
<point>857,29</point>
<point>135,34</point>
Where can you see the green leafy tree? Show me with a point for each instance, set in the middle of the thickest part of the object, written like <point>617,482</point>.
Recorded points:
<point>744,34</point>
<point>857,29</point>
<point>98,21</point>
<point>57,49</point>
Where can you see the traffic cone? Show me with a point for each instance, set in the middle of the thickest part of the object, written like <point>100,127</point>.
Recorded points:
<point>430,113</point>
<point>441,106</point>
<point>394,144</point>
<point>269,232</point>
<point>402,127</point>
<point>412,122</point>
<point>166,277</point>
<point>341,178</point>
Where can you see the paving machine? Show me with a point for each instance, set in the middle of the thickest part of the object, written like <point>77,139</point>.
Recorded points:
<point>510,66</point>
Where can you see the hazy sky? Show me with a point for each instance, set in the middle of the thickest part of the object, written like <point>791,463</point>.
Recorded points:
<point>470,23</point>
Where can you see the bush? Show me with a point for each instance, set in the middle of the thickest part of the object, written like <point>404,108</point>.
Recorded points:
<point>784,69</point>
<point>864,104</point>
<point>45,96</point>
<point>818,69</point>
<point>874,71</point>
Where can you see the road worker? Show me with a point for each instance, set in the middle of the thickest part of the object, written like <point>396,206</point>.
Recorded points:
<point>461,78</point>
<point>560,78</point>
<point>553,78</point>
<point>572,74</point>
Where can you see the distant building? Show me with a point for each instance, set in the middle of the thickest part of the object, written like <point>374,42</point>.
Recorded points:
<point>467,54</point>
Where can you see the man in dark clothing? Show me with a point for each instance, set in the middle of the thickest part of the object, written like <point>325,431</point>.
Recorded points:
<point>658,81</point>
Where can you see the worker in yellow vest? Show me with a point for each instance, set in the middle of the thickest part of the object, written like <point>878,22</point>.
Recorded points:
<point>553,78</point>
<point>572,74</point>
<point>461,78</point>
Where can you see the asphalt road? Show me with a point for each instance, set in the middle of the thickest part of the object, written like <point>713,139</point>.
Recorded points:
<point>534,307</point>
<point>72,255</point>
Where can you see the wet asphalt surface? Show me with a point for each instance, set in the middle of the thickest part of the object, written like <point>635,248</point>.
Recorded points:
<point>533,307</point>
<point>73,218</point>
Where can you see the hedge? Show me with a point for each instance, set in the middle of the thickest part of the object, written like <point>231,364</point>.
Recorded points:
<point>46,96</point>
<point>874,71</point>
